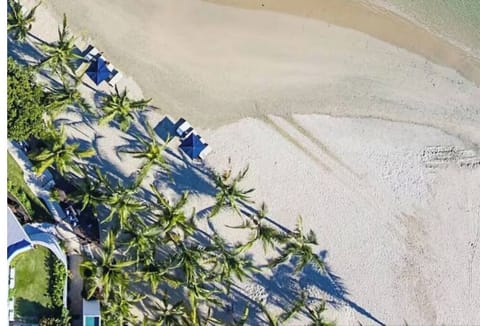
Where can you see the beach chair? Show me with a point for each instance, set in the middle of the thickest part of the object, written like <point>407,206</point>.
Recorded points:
<point>91,53</point>
<point>117,75</point>
<point>184,129</point>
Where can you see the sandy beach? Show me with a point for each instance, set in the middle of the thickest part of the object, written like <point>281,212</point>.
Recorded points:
<point>373,141</point>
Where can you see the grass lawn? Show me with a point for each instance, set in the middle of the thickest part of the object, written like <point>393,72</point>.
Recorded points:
<point>32,276</point>
<point>20,190</point>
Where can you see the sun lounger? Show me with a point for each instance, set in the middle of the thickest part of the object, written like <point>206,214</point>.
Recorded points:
<point>117,75</point>
<point>184,129</point>
<point>91,54</point>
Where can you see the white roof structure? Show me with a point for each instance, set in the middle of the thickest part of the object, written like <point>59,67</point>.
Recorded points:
<point>17,239</point>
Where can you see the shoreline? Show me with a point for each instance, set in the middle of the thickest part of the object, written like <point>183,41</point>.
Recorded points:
<point>380,23</point>
<point>355,180</point>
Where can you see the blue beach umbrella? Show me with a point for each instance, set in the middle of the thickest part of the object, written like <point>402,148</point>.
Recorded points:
<point>192,146</point>
<point>98,71</point>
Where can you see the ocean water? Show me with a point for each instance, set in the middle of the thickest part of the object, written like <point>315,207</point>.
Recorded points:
<point>457,20</point>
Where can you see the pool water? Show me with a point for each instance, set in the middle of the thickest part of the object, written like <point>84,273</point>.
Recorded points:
<point>92,321</point>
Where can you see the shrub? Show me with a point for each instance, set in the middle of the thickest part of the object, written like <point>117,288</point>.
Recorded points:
<point>25,103</point>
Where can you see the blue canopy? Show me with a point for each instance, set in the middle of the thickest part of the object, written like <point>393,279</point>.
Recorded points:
<point>98,71</point>
<point>192,146</point>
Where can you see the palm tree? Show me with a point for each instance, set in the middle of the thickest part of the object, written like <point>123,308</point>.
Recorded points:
<point>89,190</point>
<point>228,192</point>
<point>117,106</point>
<point>170,314</point>
<point>143,240</point>
<point>59,154</point>
<point>18,22</point>
<point>287,314</point>
<point>298,246</point>
<point>107,271</point>
<point>314,313</point>
<point>122,202</point>
<point>119,310</point>
<point>151,152</point>
<point>60,55</point>
<point>229,262</point>
<point>156,273</point>
<point>261,232</point>
<point>66,95</point>
<point>171,216</point>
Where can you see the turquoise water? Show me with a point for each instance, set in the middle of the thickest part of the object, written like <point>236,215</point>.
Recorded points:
<point>458,20</point>
<point>92,321</point>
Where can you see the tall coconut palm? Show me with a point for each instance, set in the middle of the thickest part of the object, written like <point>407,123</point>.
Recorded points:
<point>19,23</point>
<point>229,262</point>
<point>60,55</point>
<point>59,153</point>
<point>229,194</point>
<point>117,106</point>
<point>118,311</point>
<point>89,190</point>
<point>170,314</point>
<point>143,240</point>
<point>286,315</point>
<point>151,152</point>
<point>171,217</point>
<point>107,271</point>
<point>299,246</point>
<point>268,235</point>
<point>67,94</point>
<point>157,273</point>
<point>315,314</point>
<point>122,202</point>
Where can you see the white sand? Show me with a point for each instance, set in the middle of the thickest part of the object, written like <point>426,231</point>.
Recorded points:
<point>335,125</point>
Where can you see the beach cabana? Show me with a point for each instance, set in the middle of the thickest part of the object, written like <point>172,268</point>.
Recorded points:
<point>98,71</point>
<point>192,146</point>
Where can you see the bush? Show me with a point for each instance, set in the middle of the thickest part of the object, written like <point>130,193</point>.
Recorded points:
<point>57,278</point>
<point>25,103</point>
<point>17,192</point>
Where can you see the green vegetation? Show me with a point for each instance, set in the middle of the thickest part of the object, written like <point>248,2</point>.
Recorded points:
<point>19,23</point>
<point>118,107</point>
<point>60,55</point>
<point>25,103</point>
<point>152,241</point>
<point>18,188</point>
<point>38,284</point>
<point>58,153</point>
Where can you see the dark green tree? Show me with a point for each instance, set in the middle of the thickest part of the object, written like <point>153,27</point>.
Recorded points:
<point>25,103</point>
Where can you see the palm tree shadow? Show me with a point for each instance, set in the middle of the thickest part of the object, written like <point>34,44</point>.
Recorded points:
<point>24,53</point>
<point>185,176</point>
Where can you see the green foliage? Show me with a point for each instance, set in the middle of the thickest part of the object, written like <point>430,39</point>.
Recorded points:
<point>19,189</point>
<point>229,194</point>
<point>25,103</point>
<point>118,107</point>
<point>19,22</point>
<point>58,153</point>
<point>57,280</point>
<point>61,54</point>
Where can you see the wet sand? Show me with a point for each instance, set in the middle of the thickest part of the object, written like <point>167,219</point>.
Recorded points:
<point>377,22</point>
